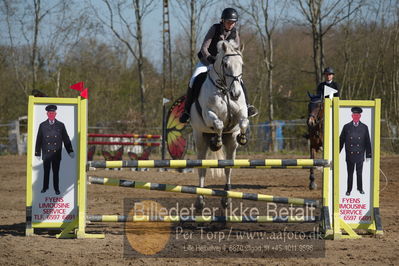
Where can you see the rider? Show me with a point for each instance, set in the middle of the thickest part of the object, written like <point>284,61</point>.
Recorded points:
<point>225,30</point>
<point>328,81</point>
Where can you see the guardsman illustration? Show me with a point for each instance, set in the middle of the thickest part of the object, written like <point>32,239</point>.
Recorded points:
<point>50,136</point>
<point>356,138</point>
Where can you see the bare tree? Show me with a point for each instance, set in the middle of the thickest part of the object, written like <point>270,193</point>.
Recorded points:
<point>383,68</point>
<point>26,18</point>
<point>72,24</point>
<point>194,13</point>
<point>8,10</point>
<point>129,33</point>
<point>321,16</point>
<point>259,13</point>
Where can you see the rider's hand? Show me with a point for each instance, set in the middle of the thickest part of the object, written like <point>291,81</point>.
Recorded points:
<point>211,59</point>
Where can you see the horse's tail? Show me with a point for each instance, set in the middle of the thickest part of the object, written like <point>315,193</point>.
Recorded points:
<point>217,155</point>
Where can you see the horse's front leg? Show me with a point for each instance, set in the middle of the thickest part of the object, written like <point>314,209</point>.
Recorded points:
<point>213,121</point>
<point>230,146</point>
<point>202,148</point>
<point>242,137</point>
<point>312,184</point>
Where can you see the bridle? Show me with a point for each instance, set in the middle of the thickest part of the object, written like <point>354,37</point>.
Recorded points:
<point>317,118</point>
<point>221,83</point>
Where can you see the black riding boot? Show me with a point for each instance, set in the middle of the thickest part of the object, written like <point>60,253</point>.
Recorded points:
<point>192,95</point>
<point>252,111</point>
<point>187,106</point>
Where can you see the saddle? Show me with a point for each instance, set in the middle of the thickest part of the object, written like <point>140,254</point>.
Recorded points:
<point>197,84</point>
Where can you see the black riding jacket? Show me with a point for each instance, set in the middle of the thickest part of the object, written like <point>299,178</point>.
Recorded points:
<point>215,34</point>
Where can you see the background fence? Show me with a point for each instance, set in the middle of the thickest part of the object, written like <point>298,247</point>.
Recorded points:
<point>290,137</point>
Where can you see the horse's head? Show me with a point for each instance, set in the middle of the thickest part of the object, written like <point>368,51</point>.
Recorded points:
<point>228,66</point>
<point>315,110</point>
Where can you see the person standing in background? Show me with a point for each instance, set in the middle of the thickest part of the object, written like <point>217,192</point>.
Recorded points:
<point>328,81</point>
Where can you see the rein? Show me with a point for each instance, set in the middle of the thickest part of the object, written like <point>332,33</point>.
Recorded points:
<point>221,82</point>
<point>318,118</point>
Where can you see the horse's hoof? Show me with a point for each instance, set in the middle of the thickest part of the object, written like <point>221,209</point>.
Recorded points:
<point>312,186</point>
<point>242,139</point>
<point>199,204</point>
<point>225,202</point>
<point>215,143</point>
<point>214,147</point>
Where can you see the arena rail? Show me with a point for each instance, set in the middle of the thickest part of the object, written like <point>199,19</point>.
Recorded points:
<point>135,136</point>
<point>241,163</point>
<point>124,143</point>
<point>202,191</point>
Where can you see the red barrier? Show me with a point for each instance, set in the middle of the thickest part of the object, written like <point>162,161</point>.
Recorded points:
<point>136,136</point>
<point>124,143</point>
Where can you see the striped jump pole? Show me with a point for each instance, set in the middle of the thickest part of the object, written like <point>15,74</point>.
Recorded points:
<point>135,136</point>
<point>201,191</point>
<point>124,143</point>
<point>241,163</point>
<point>203,219</point>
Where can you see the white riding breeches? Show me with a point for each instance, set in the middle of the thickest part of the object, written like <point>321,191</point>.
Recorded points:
<point>199,68</point>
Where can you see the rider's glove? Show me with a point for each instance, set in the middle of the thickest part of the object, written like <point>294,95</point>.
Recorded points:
<point>211,59</point>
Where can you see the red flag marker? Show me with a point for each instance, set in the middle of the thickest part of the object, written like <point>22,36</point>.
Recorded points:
<point>85,93</point>
<point>78,86</point>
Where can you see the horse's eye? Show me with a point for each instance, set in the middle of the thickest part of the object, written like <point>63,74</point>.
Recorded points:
<point>225,64</point>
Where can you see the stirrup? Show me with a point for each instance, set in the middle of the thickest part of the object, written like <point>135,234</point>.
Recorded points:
<point>184,118</point>
<point>252,111</point>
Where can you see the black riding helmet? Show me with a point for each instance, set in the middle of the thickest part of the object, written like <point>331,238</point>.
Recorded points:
<point>329,70</point>
<point>230,14</point>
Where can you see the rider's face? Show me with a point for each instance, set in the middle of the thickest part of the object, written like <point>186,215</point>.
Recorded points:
<point>229,24</point>
<point>329,77</point>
